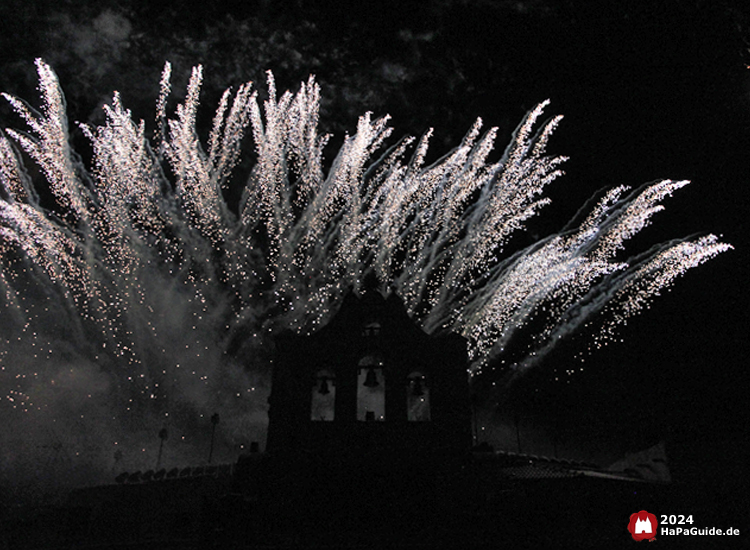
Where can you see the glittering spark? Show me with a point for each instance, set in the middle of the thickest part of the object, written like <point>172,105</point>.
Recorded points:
<point>142,268</point>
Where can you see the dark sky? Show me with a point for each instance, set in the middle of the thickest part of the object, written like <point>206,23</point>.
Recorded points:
<point>649,91</point>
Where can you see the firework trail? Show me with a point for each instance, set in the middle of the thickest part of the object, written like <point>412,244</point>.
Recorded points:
<point>131,289</point>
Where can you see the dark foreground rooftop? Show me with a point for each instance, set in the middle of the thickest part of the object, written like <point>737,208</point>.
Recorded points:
<point>482,499</point>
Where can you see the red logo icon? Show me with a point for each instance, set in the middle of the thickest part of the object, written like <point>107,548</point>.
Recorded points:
<point>642,526</point>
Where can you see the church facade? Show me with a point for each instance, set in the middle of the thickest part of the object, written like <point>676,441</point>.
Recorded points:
<point>370,381</point>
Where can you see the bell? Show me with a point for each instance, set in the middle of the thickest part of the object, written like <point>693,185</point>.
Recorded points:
<point>371,380</point>
<point>324,387</point>
<point>417,390</point>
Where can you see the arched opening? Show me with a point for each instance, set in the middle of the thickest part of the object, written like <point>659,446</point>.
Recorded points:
<point>417,397</point>
<point>371,389</point>
<point>323,402</point>
<point>372,328</point>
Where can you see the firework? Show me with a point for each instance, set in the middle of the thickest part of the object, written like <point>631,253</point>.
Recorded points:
<point>134,282</point>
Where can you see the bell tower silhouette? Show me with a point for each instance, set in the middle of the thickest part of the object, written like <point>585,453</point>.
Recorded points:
<point>370,381</point>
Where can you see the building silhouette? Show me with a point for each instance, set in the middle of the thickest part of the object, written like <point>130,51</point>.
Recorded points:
<point>371,381</point>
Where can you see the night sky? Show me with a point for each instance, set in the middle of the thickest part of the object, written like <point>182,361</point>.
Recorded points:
<point>648,92</point>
